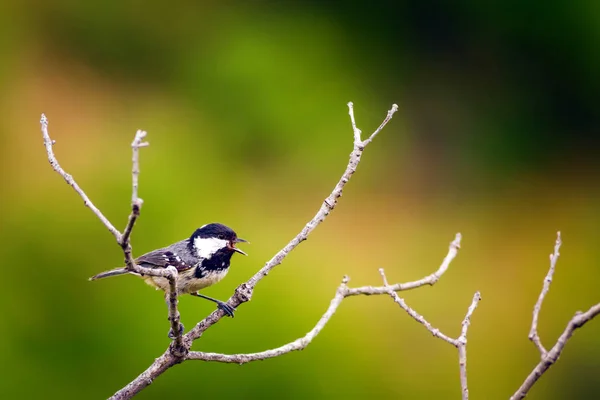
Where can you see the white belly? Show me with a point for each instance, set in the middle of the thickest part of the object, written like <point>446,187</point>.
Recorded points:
<point>186,282</point>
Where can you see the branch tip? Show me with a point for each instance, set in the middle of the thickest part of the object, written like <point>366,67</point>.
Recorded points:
<point>48,143</point>
<point>456,241</point>
<point>387,119</point>
<point>383,277</point>
<point>549,357</point>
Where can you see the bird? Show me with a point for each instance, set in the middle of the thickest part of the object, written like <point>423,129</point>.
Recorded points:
<point>201,260</point>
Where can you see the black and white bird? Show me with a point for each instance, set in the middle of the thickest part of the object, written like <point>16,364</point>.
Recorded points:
<point>201,260</point>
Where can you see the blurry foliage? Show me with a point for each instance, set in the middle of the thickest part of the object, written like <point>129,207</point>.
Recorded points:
<point>497,137</point>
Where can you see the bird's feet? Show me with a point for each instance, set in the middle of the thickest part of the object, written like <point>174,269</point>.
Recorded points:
<point>227,309</point>
<point>181,330</point>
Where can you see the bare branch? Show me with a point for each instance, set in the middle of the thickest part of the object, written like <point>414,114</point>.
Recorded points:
<point>533,333</point>
<point>357,132</point>
<point>428,280</point>
<point>244,291</point>
<point>135,162</point>
<point>342,292</point>
<point>124,239</point>
<point>176,332</point>
<point>297,344</point>
<point>462,346</point>
<point>136,202</point>
<point>160,365</point>
<point>329,203</point>
<point>415,315</point>
<point>170,273</point>
<point>48,143</point>
<point>390,114</point>
<point>461,342</point>
<point>550,357</point>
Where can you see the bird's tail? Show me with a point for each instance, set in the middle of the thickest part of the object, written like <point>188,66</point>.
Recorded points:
<point>112,272</point>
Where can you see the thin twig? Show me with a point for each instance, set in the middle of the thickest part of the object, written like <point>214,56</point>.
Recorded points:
<point>461,342</point>
<point>136,202</point>
<point>135,162</point>
<point>533,333</point>
<point>462,347</point>
<point>357,132</point>
<point>48,143</point>
<point>415,315</point>
<point>174,317</point>
<point>428,280</point>
<point>125,238</point>
<point>297,344</point>
<point>387,119</point>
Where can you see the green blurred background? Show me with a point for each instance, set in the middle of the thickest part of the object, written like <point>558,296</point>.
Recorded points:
<point>497,136</point>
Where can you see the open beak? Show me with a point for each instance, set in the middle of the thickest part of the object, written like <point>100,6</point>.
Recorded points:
<point>238,240</point>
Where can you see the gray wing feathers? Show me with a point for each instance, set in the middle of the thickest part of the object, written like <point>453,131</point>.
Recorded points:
<point>174,255</point>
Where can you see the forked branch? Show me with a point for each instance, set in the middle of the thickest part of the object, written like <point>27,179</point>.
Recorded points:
<point>344,291</point>
<point>341,293</point>
<point>548,358</point>
<point>244,292</point>
<point>48,143</point>
<point>533,332</point>
<point>123,239</point>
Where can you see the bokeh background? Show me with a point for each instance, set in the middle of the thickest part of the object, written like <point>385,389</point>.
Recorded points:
<point>497,136</point>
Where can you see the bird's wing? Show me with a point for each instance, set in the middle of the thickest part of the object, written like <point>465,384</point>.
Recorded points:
<point>163,259</point>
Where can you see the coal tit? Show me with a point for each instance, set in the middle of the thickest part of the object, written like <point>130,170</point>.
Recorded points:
<point>202,260</point>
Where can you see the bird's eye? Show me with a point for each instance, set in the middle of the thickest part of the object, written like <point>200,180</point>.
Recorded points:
<point>221,236</point>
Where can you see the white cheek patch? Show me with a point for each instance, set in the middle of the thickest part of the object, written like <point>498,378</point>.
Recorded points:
<point>206,247</point>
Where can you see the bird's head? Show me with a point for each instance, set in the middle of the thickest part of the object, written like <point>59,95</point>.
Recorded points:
<point>211,238</point>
